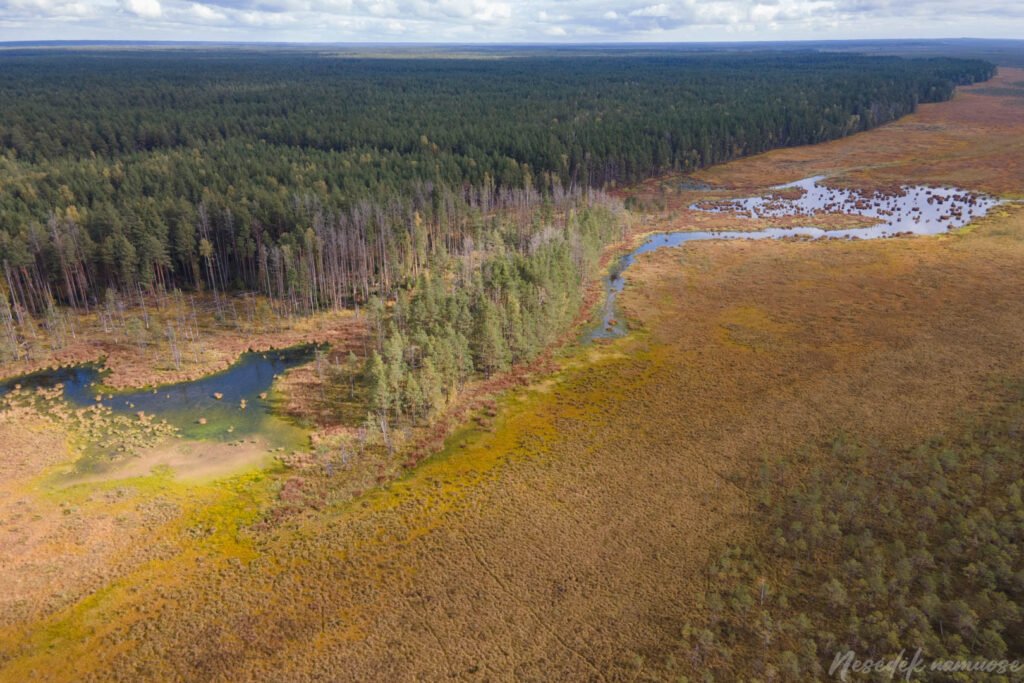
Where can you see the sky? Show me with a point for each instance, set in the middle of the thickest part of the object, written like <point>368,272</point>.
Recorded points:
<point>503,21</point>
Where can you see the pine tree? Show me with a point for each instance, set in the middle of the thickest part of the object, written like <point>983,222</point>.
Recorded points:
<point>490,352</point>
<point>430,385</point>
<point>351,369</point>
<point>381,397</point>
<point>413,397</point>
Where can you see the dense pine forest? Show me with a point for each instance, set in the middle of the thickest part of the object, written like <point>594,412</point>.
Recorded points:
<point>323,180</point>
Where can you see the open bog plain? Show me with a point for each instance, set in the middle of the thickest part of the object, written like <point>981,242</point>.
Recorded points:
<point>579,524</point>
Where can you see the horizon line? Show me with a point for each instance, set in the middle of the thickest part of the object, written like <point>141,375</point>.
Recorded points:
<point>610,43</point>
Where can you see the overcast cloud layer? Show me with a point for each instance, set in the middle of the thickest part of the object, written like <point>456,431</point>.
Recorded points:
<point>506,21</point>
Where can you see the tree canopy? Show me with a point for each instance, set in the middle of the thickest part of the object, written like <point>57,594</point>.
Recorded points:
<point>326,179</point>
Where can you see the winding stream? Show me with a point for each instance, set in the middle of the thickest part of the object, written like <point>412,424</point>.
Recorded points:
<point>915,209</point>
<point>243,406</point>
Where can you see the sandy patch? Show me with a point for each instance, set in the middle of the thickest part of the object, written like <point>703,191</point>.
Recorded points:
<point>190,460</point>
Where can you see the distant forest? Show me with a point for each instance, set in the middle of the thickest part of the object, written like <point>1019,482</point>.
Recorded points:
<point>326,180</point>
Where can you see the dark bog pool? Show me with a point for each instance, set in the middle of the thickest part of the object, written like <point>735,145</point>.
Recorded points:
<point>186,404</point>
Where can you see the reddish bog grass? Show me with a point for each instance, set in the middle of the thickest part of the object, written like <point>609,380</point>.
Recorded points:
<point>975,141</point>
<point>570,539</point>
<point>135,346</point>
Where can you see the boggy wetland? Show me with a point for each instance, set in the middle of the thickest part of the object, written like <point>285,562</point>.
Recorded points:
<point>770,397</point>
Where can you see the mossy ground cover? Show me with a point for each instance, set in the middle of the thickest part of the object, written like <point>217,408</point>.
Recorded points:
<point>874,551</point>
<point>575,533</point>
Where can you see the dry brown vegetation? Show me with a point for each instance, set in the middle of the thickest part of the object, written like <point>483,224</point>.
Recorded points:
<point>56,546</point>
<point>975,141</point>
<point>133,340</point>
<point>569,539</point>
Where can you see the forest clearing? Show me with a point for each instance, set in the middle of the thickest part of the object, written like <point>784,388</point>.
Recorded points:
<point>498,541</point>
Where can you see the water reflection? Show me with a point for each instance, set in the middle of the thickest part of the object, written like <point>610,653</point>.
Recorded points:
<point>913,209</point>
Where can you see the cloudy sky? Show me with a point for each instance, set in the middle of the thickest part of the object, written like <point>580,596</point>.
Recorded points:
<point>507,20</point>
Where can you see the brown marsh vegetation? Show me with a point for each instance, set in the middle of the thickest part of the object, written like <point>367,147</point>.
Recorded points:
<point>579,534</point>
<point>152,340</point>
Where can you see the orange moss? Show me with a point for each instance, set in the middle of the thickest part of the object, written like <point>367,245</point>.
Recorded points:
<point>569,539</point>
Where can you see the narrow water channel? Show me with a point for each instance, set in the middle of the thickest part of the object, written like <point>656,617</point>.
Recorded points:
<point>916,209</point>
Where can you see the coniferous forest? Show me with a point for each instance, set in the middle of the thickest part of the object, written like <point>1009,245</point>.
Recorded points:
<point>323,180</point>
<point>483,362</point>
<point>474,193</point>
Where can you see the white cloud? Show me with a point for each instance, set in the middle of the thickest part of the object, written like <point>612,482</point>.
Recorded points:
<point>493,11</point>
<point>207,13</point>
<point>763,13</point>
<point>265,19</point>
<point>505,20</point>
<point>147,9</point>
<point>472,10</point>
<point>380,8</point>
<point>545,16</point>
<point>58,9</point>
<point>651,11</point>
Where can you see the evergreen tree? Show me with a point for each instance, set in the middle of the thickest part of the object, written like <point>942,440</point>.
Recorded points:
<point>490,352</point>
<point>381,396</point>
